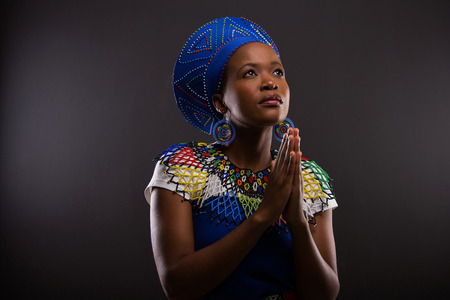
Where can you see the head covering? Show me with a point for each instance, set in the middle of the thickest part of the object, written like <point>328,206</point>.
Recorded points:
<point>200,67</point>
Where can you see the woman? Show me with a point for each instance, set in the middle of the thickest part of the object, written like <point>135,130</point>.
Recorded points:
<point>235,219</point>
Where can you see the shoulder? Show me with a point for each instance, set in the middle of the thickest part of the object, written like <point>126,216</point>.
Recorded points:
<point>313,168</point>
<point>193,154</point>
<point>183,168</point>
<point>318,191</point>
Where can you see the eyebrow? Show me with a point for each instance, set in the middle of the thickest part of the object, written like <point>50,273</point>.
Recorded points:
<point>255,65</point>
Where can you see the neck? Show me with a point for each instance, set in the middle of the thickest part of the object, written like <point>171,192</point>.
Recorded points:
<point>251,148</point>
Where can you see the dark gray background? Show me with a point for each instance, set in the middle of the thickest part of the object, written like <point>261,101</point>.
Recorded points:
<point>87,103</point>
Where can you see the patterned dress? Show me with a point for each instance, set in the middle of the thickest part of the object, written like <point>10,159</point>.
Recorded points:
<point>223,196</point>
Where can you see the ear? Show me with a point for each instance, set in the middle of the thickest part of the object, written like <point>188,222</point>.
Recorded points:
<point>218,103</point>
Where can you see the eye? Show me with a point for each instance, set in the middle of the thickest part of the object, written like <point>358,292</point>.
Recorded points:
<point>249,73</point>
<point>279,72</point>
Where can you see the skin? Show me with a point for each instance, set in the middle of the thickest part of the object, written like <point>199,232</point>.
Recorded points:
<point>253,71</point>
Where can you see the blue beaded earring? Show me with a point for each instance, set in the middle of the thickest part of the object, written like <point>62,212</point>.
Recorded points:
<point>224,132</point>
<point>280,129</point>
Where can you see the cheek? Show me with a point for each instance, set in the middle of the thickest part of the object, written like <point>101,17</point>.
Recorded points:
<point>287,97</point>
<point>286,87</point>
<point>286,92</point>
<point>240,96</point>
<point>246,89</point>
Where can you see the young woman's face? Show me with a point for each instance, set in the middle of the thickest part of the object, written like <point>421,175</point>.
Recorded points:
<point>256,92</point>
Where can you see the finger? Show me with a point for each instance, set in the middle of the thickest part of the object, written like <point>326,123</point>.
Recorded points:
<point>288,155</point>
<point>281,154</point>
<point>285,144</point>
<point>296,143</point>
<point>290,166</point>
<point>301,172</point>
<point>289,146</point>
<point>297,172</point>
<point>295,193</point>
<point>296,148</point>
<point>295,133</point>
<point>291,141</point>
<point>299,140</point>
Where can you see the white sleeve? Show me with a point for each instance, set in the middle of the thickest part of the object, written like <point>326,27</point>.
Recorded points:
<point>314,206</point>
<point>318,195</point>
<point>160,179</point>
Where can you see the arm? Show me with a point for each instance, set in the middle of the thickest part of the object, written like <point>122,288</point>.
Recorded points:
<point>189,274</point>
<point>184,272</point>
<point>315,258</point>
<point>313,247</point>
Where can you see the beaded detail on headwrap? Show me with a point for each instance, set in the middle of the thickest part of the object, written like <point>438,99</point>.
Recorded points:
<point>200,67</point>
<point>206,178</point>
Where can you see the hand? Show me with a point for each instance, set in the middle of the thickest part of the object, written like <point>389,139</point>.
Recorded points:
<point>279,188</point>
<point>294,208</point>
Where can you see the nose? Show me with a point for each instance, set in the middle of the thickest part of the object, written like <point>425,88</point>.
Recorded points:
<point>268,83</point>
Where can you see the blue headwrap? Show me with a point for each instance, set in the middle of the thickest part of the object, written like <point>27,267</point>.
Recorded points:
<point>200,67</point>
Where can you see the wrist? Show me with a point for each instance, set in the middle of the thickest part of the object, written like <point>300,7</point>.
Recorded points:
<point>295,216</point>
<point>260,218</point>
<point>297,224</point>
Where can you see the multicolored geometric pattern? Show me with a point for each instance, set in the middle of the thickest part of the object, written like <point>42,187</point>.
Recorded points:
<point>280,129</point>
<point>200,67</point>
<point>205,177</point>
<point>224,132</point>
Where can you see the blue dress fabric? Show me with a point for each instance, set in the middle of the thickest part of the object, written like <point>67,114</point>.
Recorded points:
<point>223,196</point>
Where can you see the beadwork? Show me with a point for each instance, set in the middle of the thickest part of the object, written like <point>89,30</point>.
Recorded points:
<point>200,67</point>
<point>280,129</point>
<point>206,178</point>
<point>224,132</point>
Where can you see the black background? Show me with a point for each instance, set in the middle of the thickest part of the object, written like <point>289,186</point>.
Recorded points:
<point>87,103</point>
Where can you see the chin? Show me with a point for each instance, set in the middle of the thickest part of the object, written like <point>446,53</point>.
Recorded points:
<point>279,118</point>
<point>273,121</point>
<point>276,115</point>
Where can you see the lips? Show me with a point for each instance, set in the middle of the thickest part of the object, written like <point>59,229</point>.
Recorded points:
<point>271,100</point>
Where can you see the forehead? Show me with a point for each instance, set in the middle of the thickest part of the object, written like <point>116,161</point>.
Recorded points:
<point>256,53</point>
